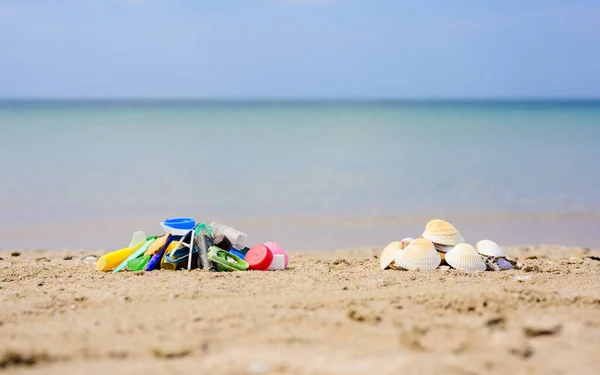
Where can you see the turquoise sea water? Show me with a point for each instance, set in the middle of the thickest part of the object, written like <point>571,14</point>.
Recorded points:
<point>86,174</point>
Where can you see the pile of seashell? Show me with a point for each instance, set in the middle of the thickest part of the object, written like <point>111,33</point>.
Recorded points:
<point>442,245</point>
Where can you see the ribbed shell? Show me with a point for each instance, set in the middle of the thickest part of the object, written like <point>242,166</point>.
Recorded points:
<point>489,249</point>
<point>389,254</point>
<point>464,257</point>
<point>419,255</point>
<point>442,232</point>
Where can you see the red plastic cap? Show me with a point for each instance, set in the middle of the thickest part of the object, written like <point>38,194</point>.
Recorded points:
<point>259,257</point>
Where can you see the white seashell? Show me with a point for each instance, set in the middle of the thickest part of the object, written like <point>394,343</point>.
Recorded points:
<point>489,249</point>
<point>389,254</point>
<point>442,248</point>
<point>504,264</point>
<point>442,232</point>
<point>419,255</point>
<point>464,257</point>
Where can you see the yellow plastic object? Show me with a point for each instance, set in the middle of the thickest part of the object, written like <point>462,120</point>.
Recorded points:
<point>163,263</point>
<point>110,261</point>
<point>157,245</point>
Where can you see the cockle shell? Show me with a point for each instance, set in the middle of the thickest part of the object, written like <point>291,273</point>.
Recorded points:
<point>464,257</point>
<point>489,249</point>
<point>386,259</point>
<point>390,251</point>
<point>419,255</point>
<point>442,232</point>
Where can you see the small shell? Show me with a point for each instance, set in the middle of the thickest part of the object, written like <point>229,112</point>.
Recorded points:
<point>504,264</point>
<point>515,263</point>
<point>442,248</point>
<point>464,257</point>
<point>489,249</point>
<point>442,232</point>
<point>491,264</point>
<point>389,254</point>
<point>419,255</point>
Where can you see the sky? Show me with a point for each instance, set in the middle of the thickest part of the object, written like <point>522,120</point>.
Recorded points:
<point>299,49</point>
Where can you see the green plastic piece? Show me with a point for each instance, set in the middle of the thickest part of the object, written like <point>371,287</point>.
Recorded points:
<point>138,264</point>
<point>139,252</point>
<point>221,258</point>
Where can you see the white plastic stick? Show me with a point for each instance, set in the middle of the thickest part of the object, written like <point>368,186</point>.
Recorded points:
<point>191,245</point>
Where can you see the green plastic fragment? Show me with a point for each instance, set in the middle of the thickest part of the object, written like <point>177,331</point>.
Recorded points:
<point>221,258</point>
<point>138,264</point>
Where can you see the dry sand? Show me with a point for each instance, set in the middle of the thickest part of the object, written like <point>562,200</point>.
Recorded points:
<point>330,313</point>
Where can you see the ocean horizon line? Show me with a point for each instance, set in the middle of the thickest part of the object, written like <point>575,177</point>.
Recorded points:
<point>409,100</point>
<point>295,103</point>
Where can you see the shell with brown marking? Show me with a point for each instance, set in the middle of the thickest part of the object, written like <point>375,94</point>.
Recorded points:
<point>442,232</point>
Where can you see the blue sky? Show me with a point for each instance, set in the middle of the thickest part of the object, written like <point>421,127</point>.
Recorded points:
<point>299,48</point>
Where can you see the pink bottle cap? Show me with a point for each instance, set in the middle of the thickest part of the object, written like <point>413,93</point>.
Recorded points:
<point>276,249</point>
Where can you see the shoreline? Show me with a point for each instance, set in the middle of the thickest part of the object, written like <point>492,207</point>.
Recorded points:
<point>319,232</point>
<point>331,312</point>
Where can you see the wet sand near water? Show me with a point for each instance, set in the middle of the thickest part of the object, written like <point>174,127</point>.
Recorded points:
<point>326,233</point>
<point>331,313</point>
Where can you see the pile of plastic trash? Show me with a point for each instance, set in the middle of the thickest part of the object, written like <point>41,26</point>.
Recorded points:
<point>187,245</point>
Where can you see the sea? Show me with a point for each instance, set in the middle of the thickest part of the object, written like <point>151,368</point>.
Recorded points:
<point>310,174</point>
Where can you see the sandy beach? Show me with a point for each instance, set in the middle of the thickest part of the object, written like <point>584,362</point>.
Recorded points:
<point>330,313</point>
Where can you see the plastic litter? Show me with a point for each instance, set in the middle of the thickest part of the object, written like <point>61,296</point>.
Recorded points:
<point>238,238</point>
<point>203,242</point>
<point>138,264</point>
<point>189,244</point>
<point>222,258</point>
<point>276,249</point>
<point>135,254</point>
<point>222,242</point>
<point>259,258</point>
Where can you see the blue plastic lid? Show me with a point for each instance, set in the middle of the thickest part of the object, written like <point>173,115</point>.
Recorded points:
<point>237,253</point>
<point>181,223</point>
